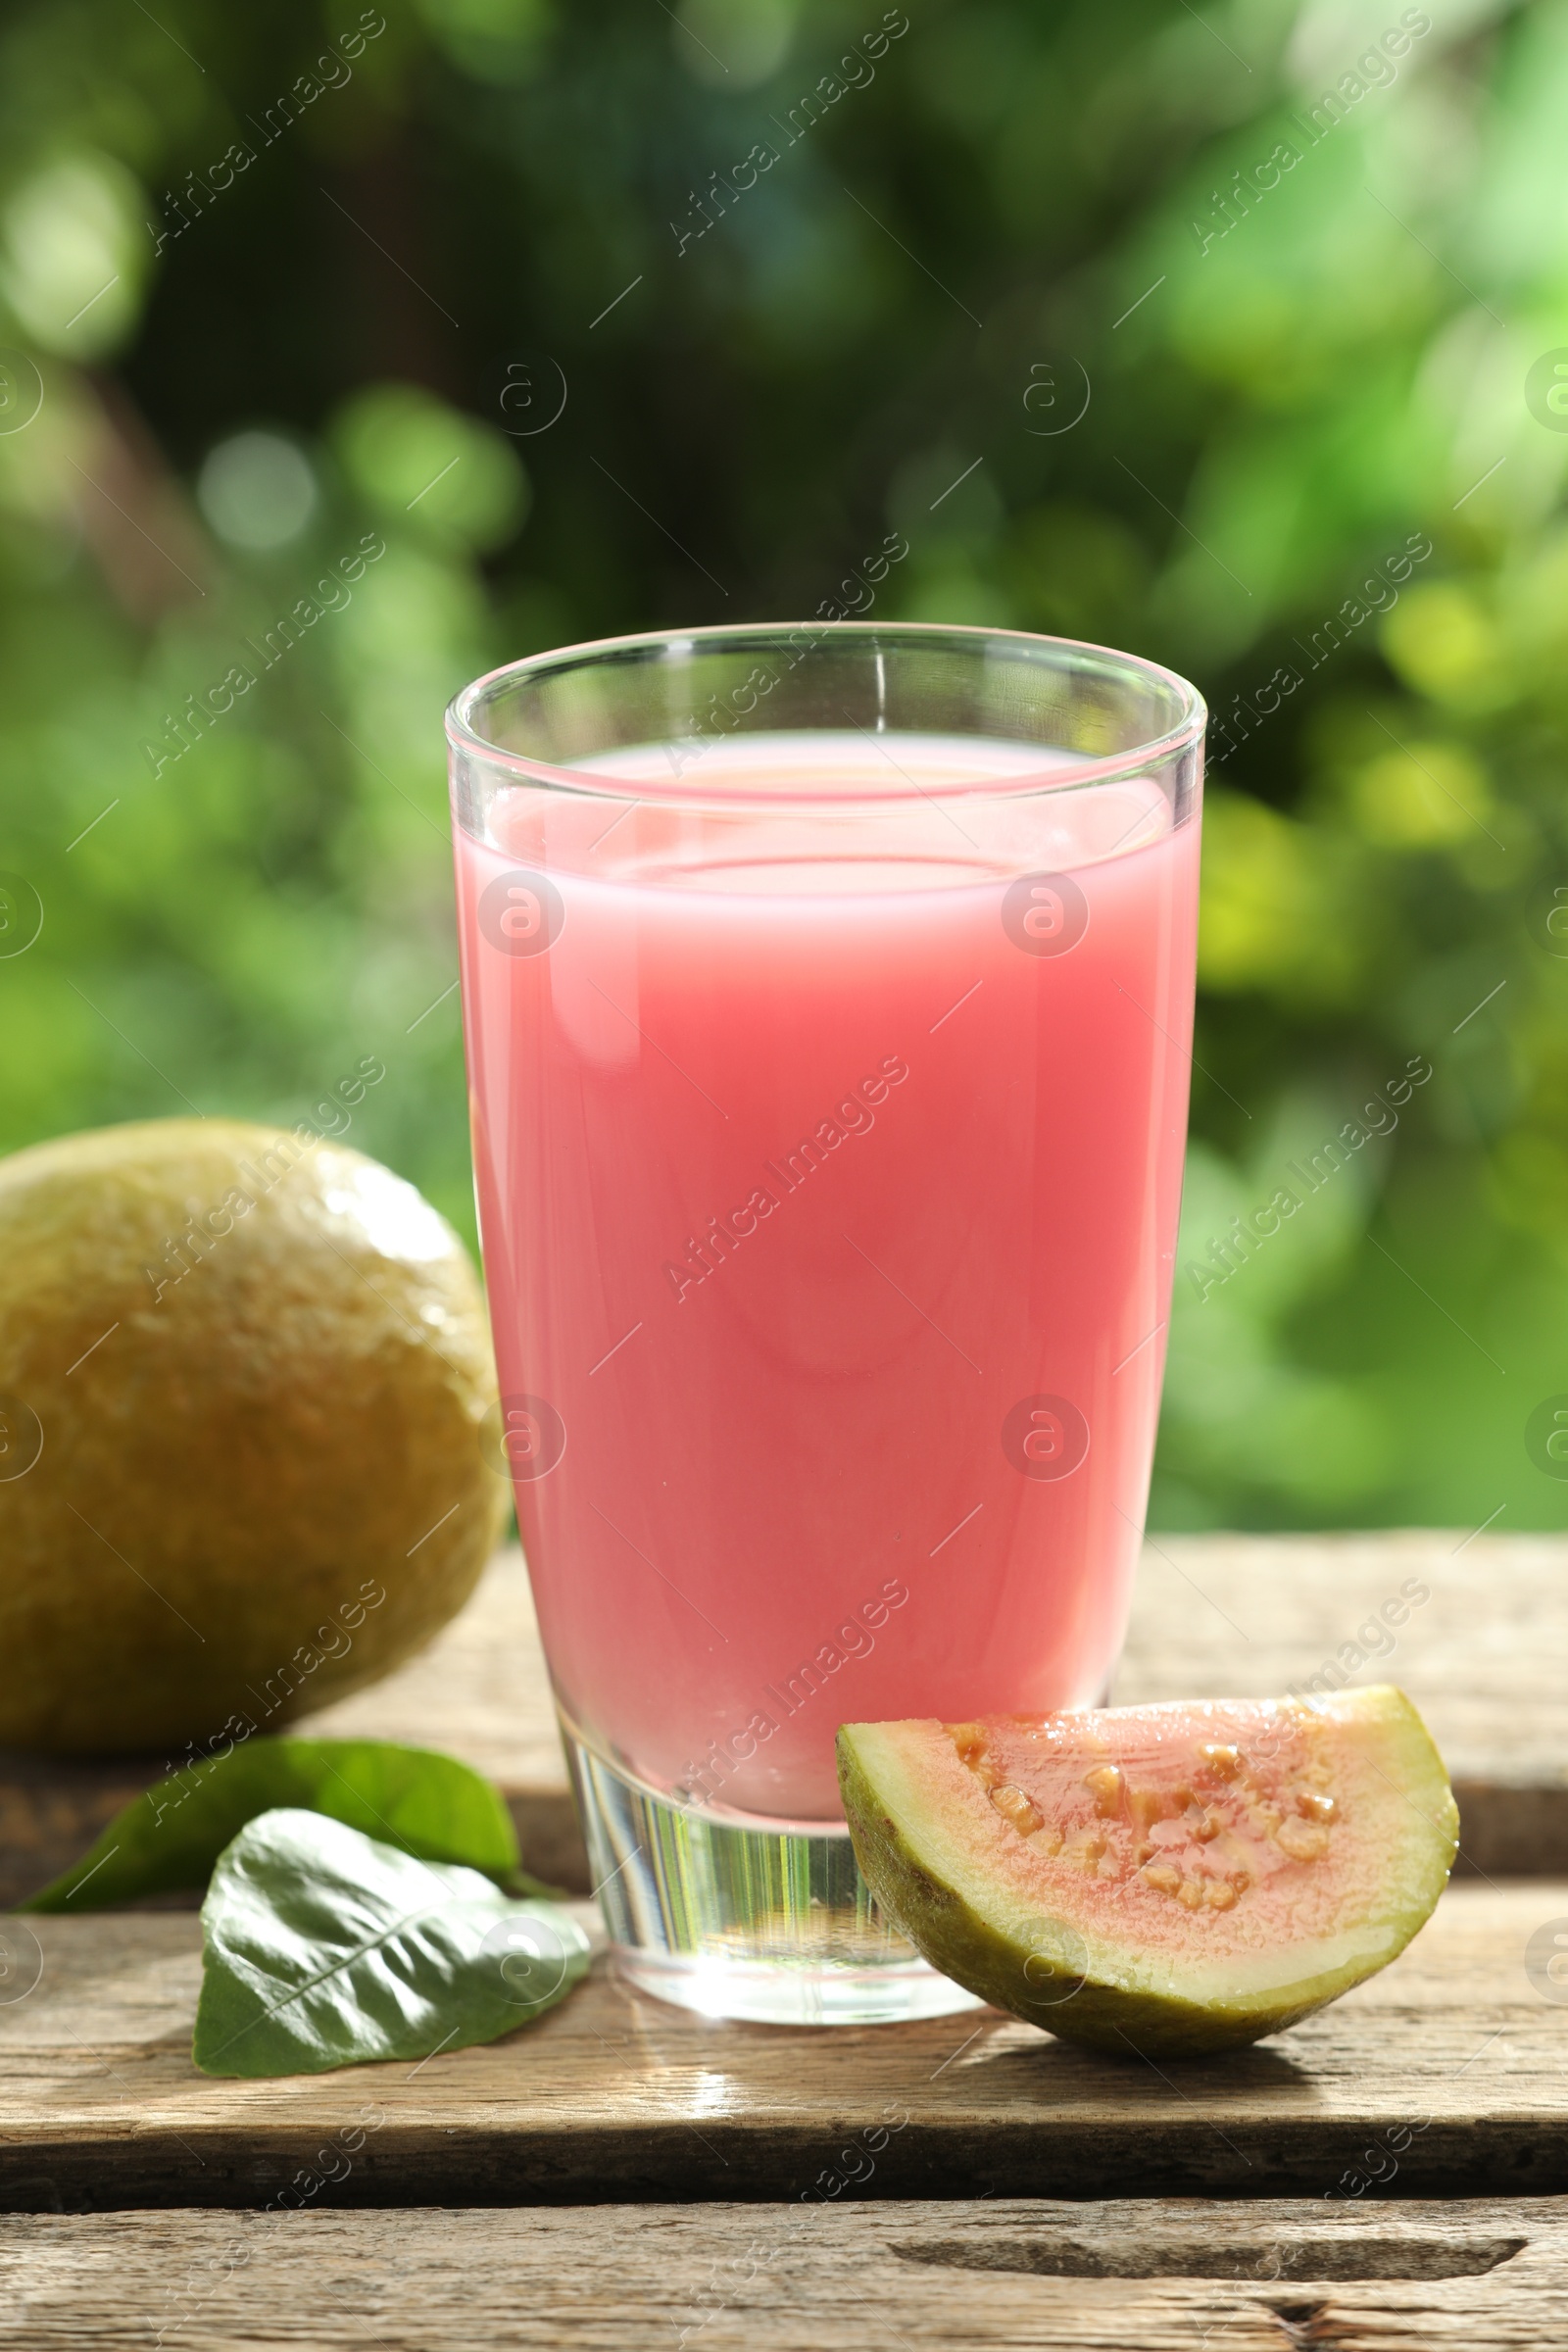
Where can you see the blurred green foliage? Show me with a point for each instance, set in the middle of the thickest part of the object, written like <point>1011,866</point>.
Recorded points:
<point>274,281</point>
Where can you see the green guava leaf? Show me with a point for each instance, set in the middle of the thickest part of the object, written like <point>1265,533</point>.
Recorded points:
<point>323,1948</point>
<point>411,1798</point>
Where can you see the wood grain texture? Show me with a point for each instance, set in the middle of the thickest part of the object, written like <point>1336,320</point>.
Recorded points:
<point>1485,1656</point>
<point>480,1691</point>
<point>1489,2276</point>
<point>1448,2075</point>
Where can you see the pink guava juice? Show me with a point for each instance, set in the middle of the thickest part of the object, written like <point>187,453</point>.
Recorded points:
<point>828,1172</point>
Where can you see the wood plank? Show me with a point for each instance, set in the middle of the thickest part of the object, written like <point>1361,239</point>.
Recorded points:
<point>1446,2074</point>
<point>1488,2276</point>
<point>1486,1656</point>
<point>480,1691</point>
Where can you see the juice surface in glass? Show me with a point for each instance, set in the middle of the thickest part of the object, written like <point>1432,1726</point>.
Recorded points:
<point>829,1201</point>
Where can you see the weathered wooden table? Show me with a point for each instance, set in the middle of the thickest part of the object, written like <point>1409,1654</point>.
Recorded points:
<point>625,2175</point>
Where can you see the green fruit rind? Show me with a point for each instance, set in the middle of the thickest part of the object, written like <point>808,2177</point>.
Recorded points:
<point>250,1376</point>
<point>1023,1931</point>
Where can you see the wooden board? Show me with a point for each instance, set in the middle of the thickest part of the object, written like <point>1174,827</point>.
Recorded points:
<point>1446,2074</point>
<point>480,1691</point>
<point>1486,1656</point>
<point>1487,2275</point>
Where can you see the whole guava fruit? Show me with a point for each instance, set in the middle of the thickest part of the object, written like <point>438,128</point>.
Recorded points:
<point>244,1381</point>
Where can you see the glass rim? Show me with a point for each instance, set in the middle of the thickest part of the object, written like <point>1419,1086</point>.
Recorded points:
<point>463,734</point>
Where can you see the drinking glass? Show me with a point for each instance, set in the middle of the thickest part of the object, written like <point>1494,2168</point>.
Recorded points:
<point>829,997</point>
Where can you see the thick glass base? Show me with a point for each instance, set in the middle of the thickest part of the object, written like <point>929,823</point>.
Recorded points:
<point>771,1923</point>
<point>795,1992</point>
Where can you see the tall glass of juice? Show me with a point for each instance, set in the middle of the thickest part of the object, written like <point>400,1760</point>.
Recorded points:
<point>828,999</point>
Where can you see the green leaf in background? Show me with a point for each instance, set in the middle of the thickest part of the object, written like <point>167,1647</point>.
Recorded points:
<point>321,1948</point>
<point>411,1798</point>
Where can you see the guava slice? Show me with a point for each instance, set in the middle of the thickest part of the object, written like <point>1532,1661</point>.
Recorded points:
<point>1165,1878</point>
